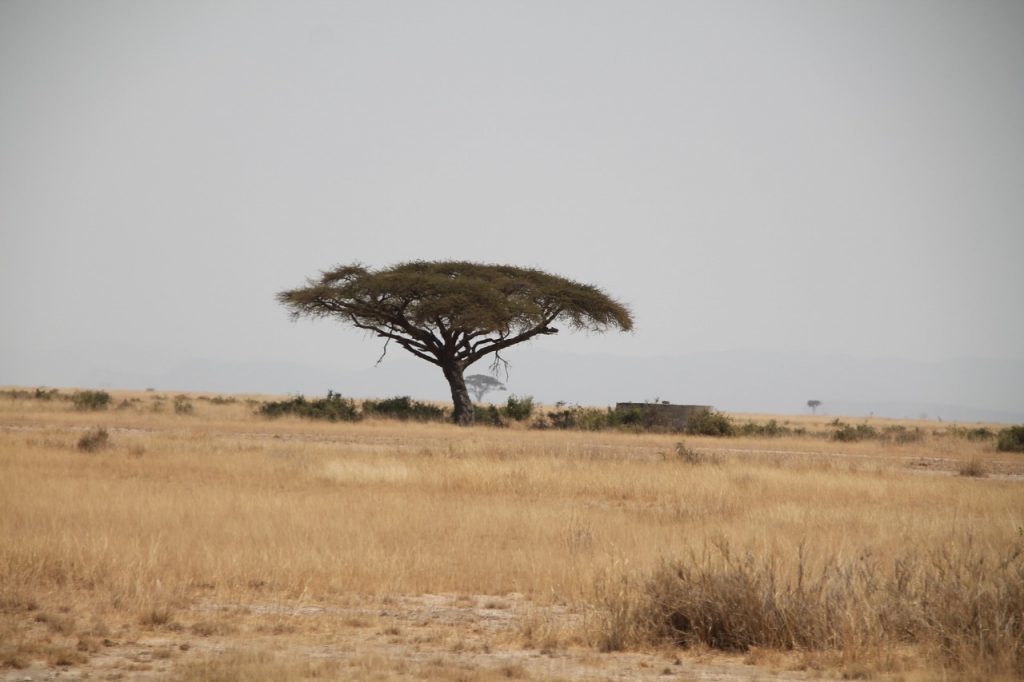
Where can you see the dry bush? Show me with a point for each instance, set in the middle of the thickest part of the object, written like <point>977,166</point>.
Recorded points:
<point>94,440</point>
<point>973,468</point>
<point>962,601</point>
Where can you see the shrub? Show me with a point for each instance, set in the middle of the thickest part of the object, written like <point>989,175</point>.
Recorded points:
<point>92,441</point>
<point>183,405</point>
<point>576,417</point>
<point>643,418</point>
<point>332,408</point>
<point>1011,439</point>
<point>847,433</point>
<point>709,422</point>
<point>974,468</point>
<point>979,433</point>
<point>518,408</point>
<point>37,394</point>
<point>770,430</point>
<point>901,435</point>
<point>404,408</point>
<point>90,400</point>
<point>487,415</point>
<point>963,605</point>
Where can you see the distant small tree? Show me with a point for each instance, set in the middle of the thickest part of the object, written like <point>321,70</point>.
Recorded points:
<point>814,405</point>
<point>481,384</point>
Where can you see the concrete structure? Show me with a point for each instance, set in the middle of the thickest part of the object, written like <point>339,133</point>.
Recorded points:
<point>672,416</point>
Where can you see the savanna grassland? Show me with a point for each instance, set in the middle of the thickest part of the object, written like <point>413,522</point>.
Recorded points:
<point>198,540</point>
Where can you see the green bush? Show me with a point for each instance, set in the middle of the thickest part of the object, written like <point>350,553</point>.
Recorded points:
<point>847,433</point>
<point>709,422</point>
<point>404,408</point>
<point>979,433</point>
<point>37,394</point>
<point>642,418</point>
<point>1011,439</point>
<point>901,435</point>
<point>332,408</point>
<point>487,415</point>
<point>90,400</point>
<point>770,430</point>
<point>518,408</point>
<point>576,417</point>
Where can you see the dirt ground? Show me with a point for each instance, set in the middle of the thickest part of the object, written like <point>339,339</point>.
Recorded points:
<point>450,637</point>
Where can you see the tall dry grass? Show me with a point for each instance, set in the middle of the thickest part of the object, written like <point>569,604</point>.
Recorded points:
<point>778,551</point>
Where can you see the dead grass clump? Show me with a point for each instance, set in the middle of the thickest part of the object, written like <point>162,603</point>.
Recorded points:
<point>61,624</point>
<point>967,605</point>
<point>62,655</point>
<point>974,468</point>
<point>92,441</point>
<point>157,617</point>
<point>211,628</point>
<point>691,456</point>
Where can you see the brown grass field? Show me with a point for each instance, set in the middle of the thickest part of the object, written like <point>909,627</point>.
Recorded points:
<point>221,545</point>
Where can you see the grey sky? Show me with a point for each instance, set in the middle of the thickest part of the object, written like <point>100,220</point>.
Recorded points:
<point>787,176</point>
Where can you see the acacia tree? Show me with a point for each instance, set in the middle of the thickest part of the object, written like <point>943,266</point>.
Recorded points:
<point>453,313</point>
<point>481,384</point>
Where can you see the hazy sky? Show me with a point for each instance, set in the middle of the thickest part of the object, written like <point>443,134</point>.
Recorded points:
<point>795,176</point>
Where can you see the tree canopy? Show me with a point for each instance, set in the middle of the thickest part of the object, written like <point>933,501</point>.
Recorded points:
<point>453,313</point>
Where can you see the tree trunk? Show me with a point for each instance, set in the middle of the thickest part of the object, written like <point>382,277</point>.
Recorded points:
<point>462,413</point>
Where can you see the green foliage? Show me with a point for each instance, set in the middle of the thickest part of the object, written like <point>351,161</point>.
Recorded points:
<point>847,433</point>
<point>404,408</point>
<point>980,433</point>
<point>219,400</point>
<point>518,408</point>
<point>332,408</point>
<point>183,405</point>
<point>709,423</point>
<point>94,440</point>
<point>90,400</point>
<point>901,435</point>
<point>576,417</point>
<point>468,296</point>
<point>1011,439</point>
<point>488,415</point>
<point>642,418</point>
<point>37,394</point>
<point>770,430</point>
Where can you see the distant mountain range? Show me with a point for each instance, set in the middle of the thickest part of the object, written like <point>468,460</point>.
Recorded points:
<point>964,390</point>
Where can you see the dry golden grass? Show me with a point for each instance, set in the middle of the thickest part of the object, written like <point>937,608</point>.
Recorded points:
<point>223,507</point>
